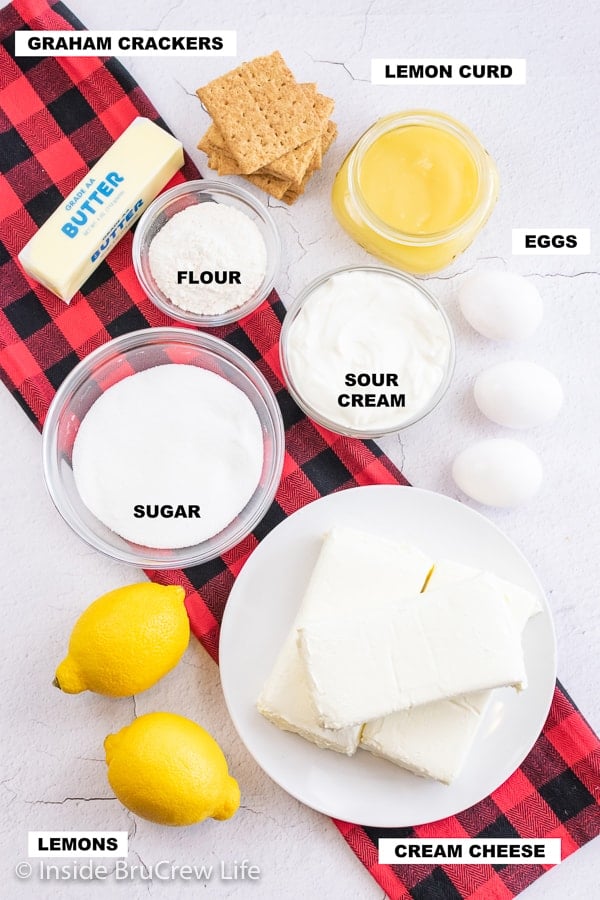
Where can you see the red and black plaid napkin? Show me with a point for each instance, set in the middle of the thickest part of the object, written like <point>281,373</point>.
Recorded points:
<point>57,117</point>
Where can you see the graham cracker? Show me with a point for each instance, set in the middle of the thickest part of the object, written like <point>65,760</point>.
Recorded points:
<point>295,163</point>
<point>295,191</point>
<point>212,163</point>
<point>226,164</point>
<point>328,137</point>
<point>291,166</point>
<point>276,187</point>
<point>292,195</point>
<point>280,188</point>
<point>317,160</point>
<point>212,137</point>
<point>204,144</point>
<point>298,160</point>
<point>215,138</point>
<point>261,111</point>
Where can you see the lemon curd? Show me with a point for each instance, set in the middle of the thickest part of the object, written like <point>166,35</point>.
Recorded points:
<point>415,190</point>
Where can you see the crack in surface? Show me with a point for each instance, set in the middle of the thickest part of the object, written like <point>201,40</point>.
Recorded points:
<point>142,863</point>
<point>313,242</point>
<point>190,664</point>
<point>365,24</point>
<point>131,833</point>
<point>260,812</point>
<point>561,274</point>
<point>6,780</point>
<point>462,272</point>
<point>332,62</point>
<point>523,274</point>
<point>487,258</point>
<point>147,870</point>
<point>10,790</point>
<point>168,13</point>
<point>135,712</point>
<point>299,242</point>
<point>402,453</point>
<point>189,93</point>
<point>67,800</point>
<point>47,753</point>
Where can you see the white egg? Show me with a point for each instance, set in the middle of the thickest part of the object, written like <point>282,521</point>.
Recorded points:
<point>518,394</point>
<point>498,472</point>
<point>501,305</point>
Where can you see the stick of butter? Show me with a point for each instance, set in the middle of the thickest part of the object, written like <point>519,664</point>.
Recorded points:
<point>102,208</point>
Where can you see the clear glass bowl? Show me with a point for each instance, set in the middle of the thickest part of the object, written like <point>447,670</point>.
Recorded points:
<point>111,363</point>
<point>177,199</point>
<point>315,414</point>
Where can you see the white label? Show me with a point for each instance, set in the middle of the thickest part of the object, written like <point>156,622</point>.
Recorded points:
<point>470,851</point>
<point>125,43</point>
<point>77,843</point>
<point>448,71</point>
<point>551,241</point>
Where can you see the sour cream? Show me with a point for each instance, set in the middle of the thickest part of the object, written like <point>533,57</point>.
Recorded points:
<point>366,351</point>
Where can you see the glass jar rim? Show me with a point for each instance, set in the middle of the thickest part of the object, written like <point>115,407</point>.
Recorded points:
<point>481,159</point>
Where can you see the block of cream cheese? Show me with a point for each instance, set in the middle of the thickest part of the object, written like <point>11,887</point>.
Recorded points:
<point>364,667</point>
<point>434,740</point>
<point>523,604</point>
<point>102,208</point>
<point>354,572</point>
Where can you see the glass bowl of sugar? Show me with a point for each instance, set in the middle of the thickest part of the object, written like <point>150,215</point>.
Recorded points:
<point>206,252</point>
<point>163,448</point>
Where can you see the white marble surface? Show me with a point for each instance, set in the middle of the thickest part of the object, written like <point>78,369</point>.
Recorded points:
<point>546,141</point>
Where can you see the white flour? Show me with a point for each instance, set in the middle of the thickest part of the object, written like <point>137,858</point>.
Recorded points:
<point>174,437</point>
<point>209,238</point>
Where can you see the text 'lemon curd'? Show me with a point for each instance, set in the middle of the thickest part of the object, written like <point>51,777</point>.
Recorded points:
<point>415,190</point>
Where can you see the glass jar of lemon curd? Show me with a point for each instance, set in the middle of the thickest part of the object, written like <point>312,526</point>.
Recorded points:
<point>415,190</point>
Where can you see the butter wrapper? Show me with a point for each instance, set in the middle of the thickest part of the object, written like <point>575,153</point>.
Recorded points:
<point>102,208</point>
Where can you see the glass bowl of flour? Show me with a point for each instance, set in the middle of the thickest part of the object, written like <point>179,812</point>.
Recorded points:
<point>163,448</point>
<point>207,252</point>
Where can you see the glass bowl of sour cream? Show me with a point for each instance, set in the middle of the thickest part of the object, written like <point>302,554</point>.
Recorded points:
<point>366,351</point>
<point>207,252</point>
<point>163,448</point>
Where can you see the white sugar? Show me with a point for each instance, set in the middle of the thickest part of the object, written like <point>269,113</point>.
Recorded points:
<point>168,440</point>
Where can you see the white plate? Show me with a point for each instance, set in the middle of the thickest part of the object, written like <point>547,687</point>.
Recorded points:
<point>259,614</point>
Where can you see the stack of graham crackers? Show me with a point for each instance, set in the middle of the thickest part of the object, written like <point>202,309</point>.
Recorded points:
<point>267,127</point>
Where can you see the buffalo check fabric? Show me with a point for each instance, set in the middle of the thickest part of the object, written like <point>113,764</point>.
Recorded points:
<point>57,117</point>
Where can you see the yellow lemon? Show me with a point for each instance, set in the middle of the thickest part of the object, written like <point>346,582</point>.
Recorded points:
<point>168,769</point>
<point>126,640</point>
